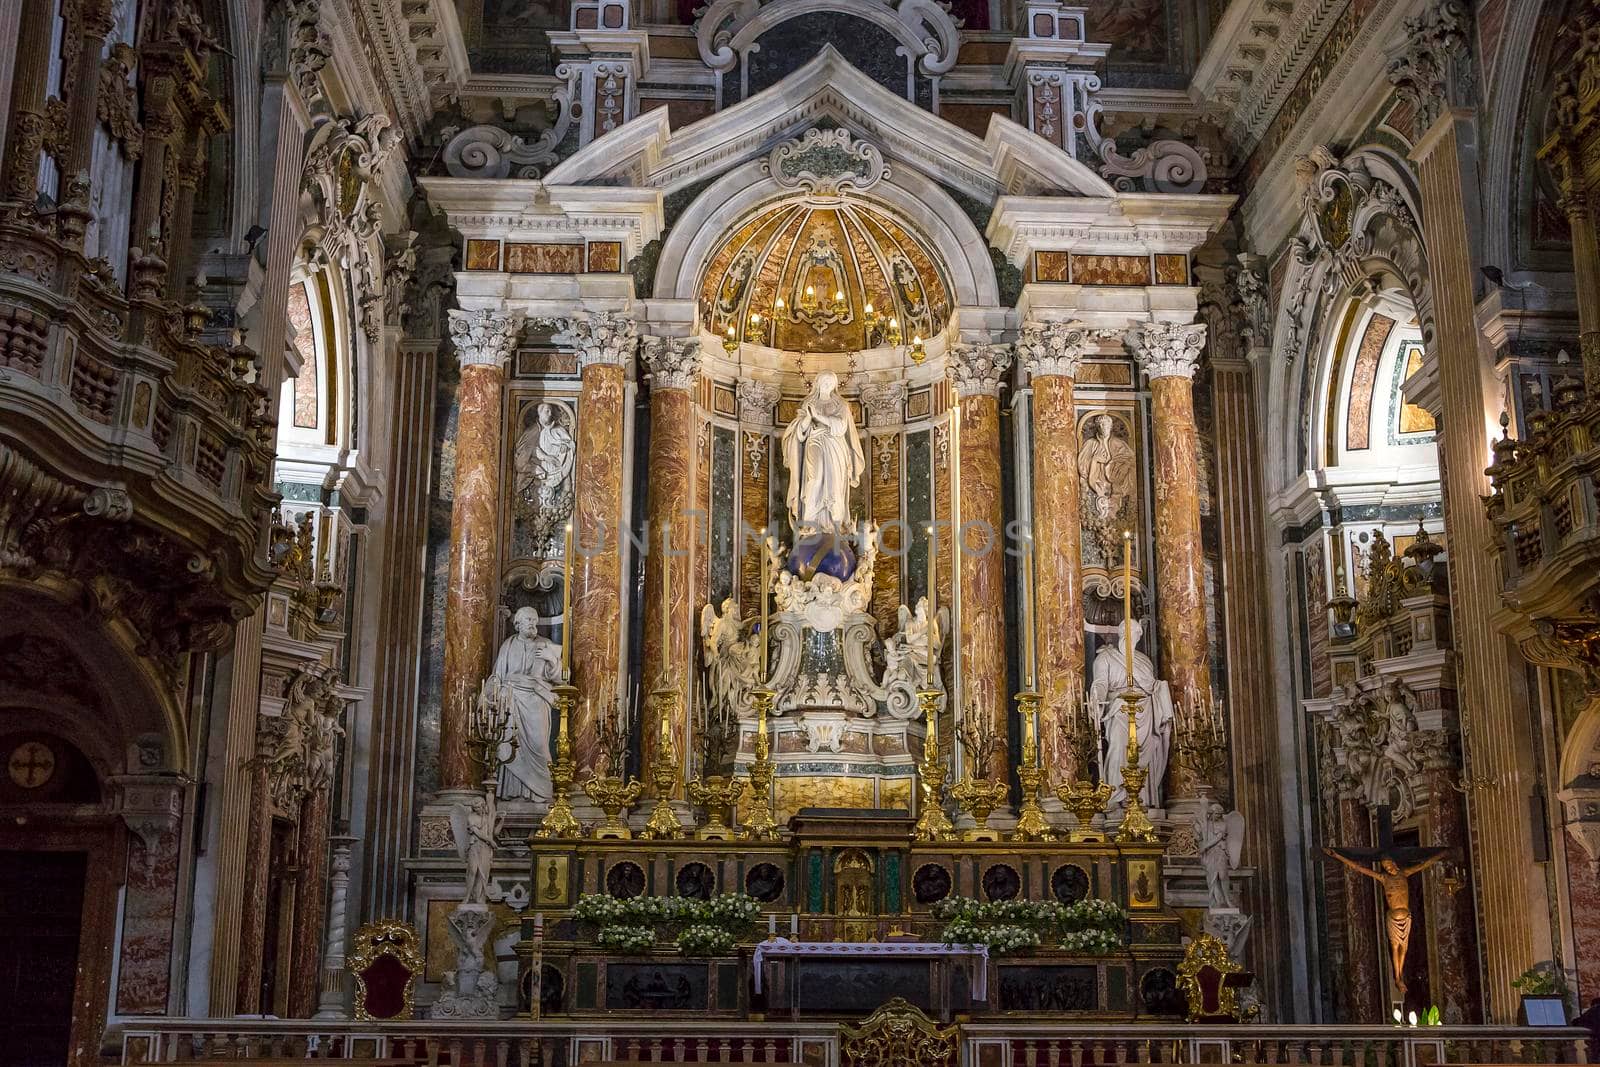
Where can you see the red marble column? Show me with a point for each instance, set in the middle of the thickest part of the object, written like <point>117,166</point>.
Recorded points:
<point>674,370</point>
<point>1366,970</point>
<point>976,371</point>
<point>1169,354</point>
<point>310,905</point>
<point>1452,937</point>
<point>152,808</point>
<point>483,341</point>
<point>604,343</point>
<point>253,906</point>
<point>1050,353</point>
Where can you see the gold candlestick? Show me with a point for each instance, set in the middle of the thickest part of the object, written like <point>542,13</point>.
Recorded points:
<point>717,794</point>
<point>932,823</point>
<point>1085,800</point>
<point>664,823</point>
<point>1031,823</point>
<point>1136,825</point>
<point>613,796</point>
<point>559,820</point>
<point>762,823</point>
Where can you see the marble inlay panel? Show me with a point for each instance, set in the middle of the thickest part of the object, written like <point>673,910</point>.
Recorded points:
<point>724,517</point>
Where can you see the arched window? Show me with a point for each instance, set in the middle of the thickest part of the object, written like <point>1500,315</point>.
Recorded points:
<point>312,407</point>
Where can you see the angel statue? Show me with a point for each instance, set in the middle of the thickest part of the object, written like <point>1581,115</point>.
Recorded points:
<point>1221,840</point>
<point>475,824</point>
<point>732,657</point>
<point>1152,718</point>
<point>906,653</point>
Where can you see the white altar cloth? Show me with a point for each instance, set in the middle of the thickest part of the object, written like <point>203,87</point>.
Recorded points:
<point>976,956</point>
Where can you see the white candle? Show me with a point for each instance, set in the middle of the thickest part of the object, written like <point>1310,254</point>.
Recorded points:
<point>566,610</point>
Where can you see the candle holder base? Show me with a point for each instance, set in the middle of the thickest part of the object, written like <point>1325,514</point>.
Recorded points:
<point>932,822</point>
<point>761,823</point>
<point>1085,801</point>
<point>1031,823</point>
<point>1136,826</point>
<point>560,821</point>
<point>613,796</point>
<point>716,794</point>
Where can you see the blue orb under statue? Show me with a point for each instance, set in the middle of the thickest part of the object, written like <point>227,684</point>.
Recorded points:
<point>822,553</point>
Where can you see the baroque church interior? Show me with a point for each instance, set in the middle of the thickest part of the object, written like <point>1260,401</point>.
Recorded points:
<point>986,532</point>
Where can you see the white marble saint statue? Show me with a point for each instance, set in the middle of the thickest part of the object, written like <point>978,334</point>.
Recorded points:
<point>822,450</point>
<point>906,653</point>
<point>732,658</point>
<point>543,456</point>
<point>475,824</point>
<point>1153,719</point>
<point>526,668</point>
<point>1221,841</point>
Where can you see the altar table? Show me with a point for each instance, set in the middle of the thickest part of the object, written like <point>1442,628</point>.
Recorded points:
<point>852,977</point>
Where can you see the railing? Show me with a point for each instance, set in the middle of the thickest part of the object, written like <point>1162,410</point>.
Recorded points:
<point>519,1043</point>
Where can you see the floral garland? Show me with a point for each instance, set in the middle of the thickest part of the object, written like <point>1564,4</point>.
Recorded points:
<point>705,927</point>
<point>1089,927</point>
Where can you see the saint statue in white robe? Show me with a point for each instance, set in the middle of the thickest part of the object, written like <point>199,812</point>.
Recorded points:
<point>1152,719</point>
<point>527,667</point>
<point>822,450</point>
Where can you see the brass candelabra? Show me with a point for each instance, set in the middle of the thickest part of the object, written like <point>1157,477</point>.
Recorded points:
<point>613,796</point>
<point>717,793</point>
<point>762,823</point>
<point>932,822</point>
<point>664,823</point>
<point>1136,825</point>
<point>1031,823</point>
<point>1202,742</point>
<point>559,821</point>
<point>975,794</point>
<point>487,730</point>
<point>1085,800</point>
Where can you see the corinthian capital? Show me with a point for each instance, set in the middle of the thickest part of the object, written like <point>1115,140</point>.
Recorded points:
<point>485,338</point>
<point>756,401</point>
<point>1168,349</point>
<point>977,370</point>
<point>599,337</point>
<point>674,362</point>
<point>885,402</point>
<point>1053,348</point>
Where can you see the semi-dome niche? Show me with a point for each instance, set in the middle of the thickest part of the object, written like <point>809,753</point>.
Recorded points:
<point>826,263</point>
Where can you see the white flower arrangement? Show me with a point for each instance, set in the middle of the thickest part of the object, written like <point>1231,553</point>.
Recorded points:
<point>1089,927</point>
<point>709,927</point>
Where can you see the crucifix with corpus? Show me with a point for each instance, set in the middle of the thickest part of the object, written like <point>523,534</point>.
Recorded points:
<point>1391,866</point>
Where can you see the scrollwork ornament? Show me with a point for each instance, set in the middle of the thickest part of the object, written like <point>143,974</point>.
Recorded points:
<point>484,338</point>
<point>1168,349</point>
<point>491,152</point>
<point>978,370</point>
<point>1053,348</point>
<point>825,163</point>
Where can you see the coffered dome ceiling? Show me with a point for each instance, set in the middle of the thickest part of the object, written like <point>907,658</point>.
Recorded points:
<point>806,255</point>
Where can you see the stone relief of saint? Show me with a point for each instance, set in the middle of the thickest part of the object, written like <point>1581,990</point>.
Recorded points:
<point>527,666</point>
<point>822,451</point>
<point>1107,468</point>
<point>542,462</point>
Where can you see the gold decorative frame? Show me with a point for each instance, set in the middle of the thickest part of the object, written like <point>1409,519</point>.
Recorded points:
<point>379,938</point>
<point>897,1034</point>
<point>1208,953</point>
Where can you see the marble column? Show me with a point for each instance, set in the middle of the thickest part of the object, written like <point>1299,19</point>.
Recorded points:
<point>483,341</point>
<point>757,400</point>
<point>1050,353</point>
<point>1491,680</point>
<point>1169,354</point>
<point>310,904</point>
<point>885,404</point>
<point>674,365</point>
<point>1453,963</point>
<point>252,903</point>
<point>605,344</point>
<point>976,371</point>
<point>152,808</point>
<point>1365,979</point>
<point>331,1004</point>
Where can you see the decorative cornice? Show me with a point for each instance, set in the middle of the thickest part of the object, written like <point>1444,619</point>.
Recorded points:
<point>600,338</point>
<point>1168,349</point>
<point>1048,349</point>
<point>674,362</point>
<point>978,370</point>
<point>484,338</point>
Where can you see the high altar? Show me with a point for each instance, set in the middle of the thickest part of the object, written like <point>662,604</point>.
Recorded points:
<point>823,475</point>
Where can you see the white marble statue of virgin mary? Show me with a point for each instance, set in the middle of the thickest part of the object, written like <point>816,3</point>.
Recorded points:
<point>822,450</point>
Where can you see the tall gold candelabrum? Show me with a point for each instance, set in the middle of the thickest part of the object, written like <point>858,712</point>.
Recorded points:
<point>975,794</point>
<point>559,820</point>
<point>1031,823</point>
<point>1136,825</point>
<point>932,823</point>
<point>762,823</point>
<point>664,823</point>
<point>1202,742</point>
<point>489,730</point>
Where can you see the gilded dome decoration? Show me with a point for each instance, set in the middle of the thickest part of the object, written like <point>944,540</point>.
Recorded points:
<point>835,277</point>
